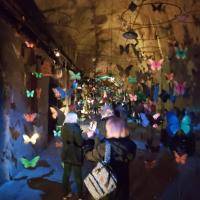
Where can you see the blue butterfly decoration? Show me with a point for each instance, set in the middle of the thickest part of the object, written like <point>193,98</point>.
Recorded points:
<point>143,120</point>
<point>174,124</point>
<point>64,94</point>
<point>155,92</point>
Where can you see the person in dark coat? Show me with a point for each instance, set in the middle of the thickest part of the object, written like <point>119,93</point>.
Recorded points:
<point>72,153</point>
<point>123,150</point>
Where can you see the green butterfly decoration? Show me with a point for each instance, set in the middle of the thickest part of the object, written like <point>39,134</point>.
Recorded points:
<point>181,53</point>
<point>105,77</point>
<point>132,80</point>
<point>140,96</point>
<point>30,164</point>
<point>74,76</point>
<point>57,132</point>
<point>37,75</point>
<point>30,93</point>
<point>62,164</point>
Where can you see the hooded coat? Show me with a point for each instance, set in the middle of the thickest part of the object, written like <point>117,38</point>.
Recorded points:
<point>72,152</point>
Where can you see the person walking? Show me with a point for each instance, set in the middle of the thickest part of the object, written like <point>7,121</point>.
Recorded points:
<point>72,153</point>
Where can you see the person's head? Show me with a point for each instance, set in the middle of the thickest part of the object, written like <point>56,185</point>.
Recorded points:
<point>106,111</point>
<point>71,117</point>
<point>116,128</point>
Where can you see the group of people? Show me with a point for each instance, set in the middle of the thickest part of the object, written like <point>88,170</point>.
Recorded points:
<point>76,149</point>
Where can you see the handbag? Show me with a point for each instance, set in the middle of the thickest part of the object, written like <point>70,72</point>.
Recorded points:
<point>101,181</point>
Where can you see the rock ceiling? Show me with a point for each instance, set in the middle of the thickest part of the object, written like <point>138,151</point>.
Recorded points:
<point>96,27</point>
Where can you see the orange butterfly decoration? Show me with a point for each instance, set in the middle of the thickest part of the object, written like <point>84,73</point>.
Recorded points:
<point>180,159</point>
<point>38,92</point>
<point>169,76</point>
<point>150,164</point>
<point>30,117</point>
<point>29,44</point>
<point>14,133</point>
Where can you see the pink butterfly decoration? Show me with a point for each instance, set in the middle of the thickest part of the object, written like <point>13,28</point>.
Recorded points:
<point>30,117</point>
<point>156,116</point>
<point>183,18</point>
<point>155,65</point>
<point>179,88</point>
<point>133,97</point>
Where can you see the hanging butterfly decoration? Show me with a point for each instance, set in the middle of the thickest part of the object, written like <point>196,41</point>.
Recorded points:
<point>150,164</point>
<point>57,132</point>
<point>181,53</point>
<point>30,117</point>
<point>38,92</point>
<point>180,159</point>
<point>142,119</point>
<point>30,93</point>
<point>137,52</point>
<point>103,77</point>
<point>155,65</point>
<point>14,133</point>
<point>74,76</point>
<point>124,49</point>
<point>30,163</point>
<point>155,120</point>
<point>132,80</point>
<point>179,88</point>
<point>133,97</point>
<point>169,77</point>
<point>183,18</point>
<point>174,125</point>
<point>156,88</point>
<point>141,97</point>
<point>164,95</point>
<point>160,7</point>
<point>32,139</point>
<point>38,75</point>
<point>124,72</point>
<point>61,94</point>
<point>29,44</point>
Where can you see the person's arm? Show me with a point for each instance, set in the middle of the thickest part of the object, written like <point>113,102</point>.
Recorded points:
<point>78,138</point>
<point>58,114</point>
<point>97,153</point>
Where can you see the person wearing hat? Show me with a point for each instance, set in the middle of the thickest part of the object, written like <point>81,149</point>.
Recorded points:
<point>72,151</point>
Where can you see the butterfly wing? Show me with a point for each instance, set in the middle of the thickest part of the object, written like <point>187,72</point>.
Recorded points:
<point>34,138</point>
<point>26,139</point>
<point>120,69</point>
<point>152,64</point>
<point>34,161</point>
<point>158,64</point>
<point>144,120</point>
<point>173,123</point>
<point>156,92</point>
<point>186,124</point>
<point>30,94</point>
<point>121,49</point>
<point>132,80</point>
<point>128,70</point>
<point>183,159</point>
<point>25,162</point>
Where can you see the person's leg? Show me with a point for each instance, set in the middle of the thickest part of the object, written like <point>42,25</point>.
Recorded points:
<point>65,179</point>
<point>78,178</point>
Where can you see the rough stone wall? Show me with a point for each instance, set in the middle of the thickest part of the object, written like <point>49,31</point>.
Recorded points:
<point>13,104</point>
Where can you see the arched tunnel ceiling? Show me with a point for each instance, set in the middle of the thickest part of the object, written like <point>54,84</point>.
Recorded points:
<point>97,26</point>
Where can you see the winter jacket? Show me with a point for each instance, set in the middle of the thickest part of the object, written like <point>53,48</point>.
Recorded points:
<point>72,151</point>
<point>122,150</point>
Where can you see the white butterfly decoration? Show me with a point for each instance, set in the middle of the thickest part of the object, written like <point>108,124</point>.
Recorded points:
<point>32,139</point>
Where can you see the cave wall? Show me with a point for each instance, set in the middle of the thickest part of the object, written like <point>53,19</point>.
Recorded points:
<point>15,73</point>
